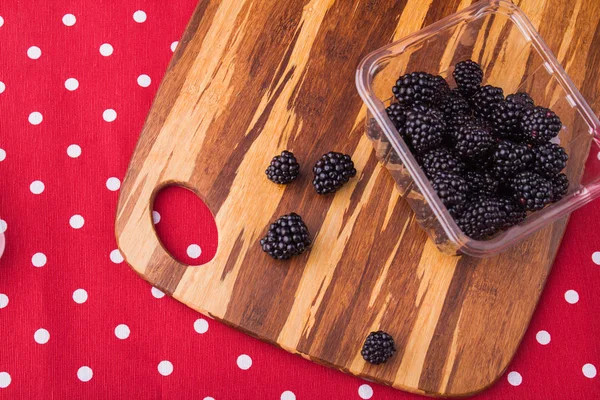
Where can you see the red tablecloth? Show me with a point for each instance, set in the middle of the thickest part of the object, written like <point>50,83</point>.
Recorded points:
<point>77,80</point>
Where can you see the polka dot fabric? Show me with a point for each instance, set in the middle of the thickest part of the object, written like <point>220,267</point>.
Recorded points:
<point>77,79</point>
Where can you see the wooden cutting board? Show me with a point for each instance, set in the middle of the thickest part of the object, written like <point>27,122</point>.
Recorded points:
<point>251,78</point>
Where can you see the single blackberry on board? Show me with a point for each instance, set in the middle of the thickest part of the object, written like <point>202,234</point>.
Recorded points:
<point>539,125</point>
<point>549,159</point>
<point>531,190</point>
<point>287,236</point>
<point>378,347</point>
<point>397,114</point>
<point>515,213</point>
<point>332,171</point>
<point>473,141</point>
<point>424,128</point>
<point>482,183</point>
<point>452,190</point>
<point>468,76</point>
<point>560,185</point>
<point>441,160</point>
<point>482,217</point>
<point>510,158</point>
<point>453,104</point>
<point>416,87</point>
<point>284,168</point>
<point>485,100</point>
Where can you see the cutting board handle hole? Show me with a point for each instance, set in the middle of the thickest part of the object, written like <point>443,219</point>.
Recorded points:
<point>185,225</point>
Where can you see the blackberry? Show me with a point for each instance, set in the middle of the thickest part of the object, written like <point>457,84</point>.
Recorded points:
<point>378,347</point>
<point>473,141</point>
<point>441,160</point>
<point>284,168</point>
<point>424,128</point>
<point>539,125</point>
<point>520,99</point>
<point>514,212</point>
<point>505,120</point>
<point>510,158</point>
<point>332,171</point>
<point>287,236</point>
<point>452,190</point>
<point>441,88</point>
<point>416,87</point>
<point>455,121</point>
<point>560,185</point>
<point>531,190</point>
<point>453,104</point>
<point>468,76</point>
<point>485,100</point>
<point>482,217</point>
<point>549,159</point>
<point>397,114</point>
<point>482,183</point>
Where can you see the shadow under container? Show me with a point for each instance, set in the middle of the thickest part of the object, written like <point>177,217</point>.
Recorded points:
<point>497,35</point>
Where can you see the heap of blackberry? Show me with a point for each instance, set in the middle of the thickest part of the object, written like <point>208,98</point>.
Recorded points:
<point>482,217</point>
<point>416,87</point>
<point>378,347</point>
<point>441,160</point>
<point>473,141</point>
<point>468,76</point>
<point>560,185</point>
<point>485,100</point>
<point>332,171</point>
<point>284,168</point>
<point>539,125</point>
<point>549,159</point>
<point>482,183</point>
<point>510,158</point>
<point>424,128</point>
<point>452,190</point>
<point>287,236</point>
<point>531,190</point>
<point>397,114</point>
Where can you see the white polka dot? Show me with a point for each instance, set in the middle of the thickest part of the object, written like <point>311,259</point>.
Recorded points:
<point>194,251</point>
<point>201,325</point>
<point>598,155</point>
<point>69,19</point>
<point>155,217</point>
<point>2,155</point>
<point>41,336</point>
<point>589,371</point>
<point>38,260</point>
<point>2,87</point>
<point>109,115</point>
<point>35,118</point>
<point>76,221</point>
<point>3,226</point>
<point>4,376</point>
<point>34,52</point>
<point>122,331</point>
<point>139,16</point>
<point>80,296</point>
<point>543,337</point>
<point>165,368</point>
<point>1,21</point>
<point>73,151</point>
<point>244,362</point>
<point>514,378</point>
<point>571,296</point>
<point>596,257</point>
<point>288,395</point>
<point>85,374</point>
<point>71,84</point>
<point>208,398</point>
<point>113,184</point>
<point>3,300</point>
<point>365,391</point>
<point>175,43</point>
<point>37,187</point>
<point>144,80</point>
<point>106,49</point>
<point>157,293</point>
<point>116,256</point>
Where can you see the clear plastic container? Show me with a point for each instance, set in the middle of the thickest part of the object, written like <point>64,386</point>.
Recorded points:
<point>513,56</point>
